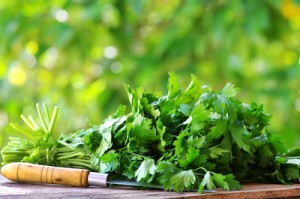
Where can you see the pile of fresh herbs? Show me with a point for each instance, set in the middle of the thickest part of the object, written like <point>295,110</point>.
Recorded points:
<point>193,138</point>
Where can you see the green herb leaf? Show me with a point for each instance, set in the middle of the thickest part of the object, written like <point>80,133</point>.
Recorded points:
<point>174,87</point>
<point>232,183</point>
<point>239,135</point>
<point>166,170</point>
<point>207,181</point>
<point>109,162</point>
<point>182,180</point>
<point>147,167</point>
<point>220,181</point>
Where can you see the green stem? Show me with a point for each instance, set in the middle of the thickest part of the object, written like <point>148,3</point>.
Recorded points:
<point>22,130</point>
<point>202,168</point>
<point>12,158</point>
<point>41,118</point>
<point>33,122</point>
<point>69,156</point>
<point>78,163</point>
<point>53,119</point>
<point>28,122</point>
<point>6,152</point>
<point>66,150</point>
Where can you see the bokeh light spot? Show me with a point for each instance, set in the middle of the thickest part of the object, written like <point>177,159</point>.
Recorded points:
<point>32,47</point>
<point>61,15</point>
<point>50,57</point>
<point>116,67</point>
<point>110,16</point>
<point>110,52</point>
<point>17,74</point>
<point>3,120</point>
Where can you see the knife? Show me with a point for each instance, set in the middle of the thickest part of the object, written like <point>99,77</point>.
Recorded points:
<point>33,173</point>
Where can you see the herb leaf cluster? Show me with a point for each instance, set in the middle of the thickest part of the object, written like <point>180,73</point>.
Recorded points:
<point>190,139</point>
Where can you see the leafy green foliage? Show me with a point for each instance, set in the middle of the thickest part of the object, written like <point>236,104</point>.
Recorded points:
<point>109,162</point>
<point>183,180</point>
<point>239,135</point>
<point>147,167</point>
<point>193,138</point>
<point>166,170</point>
<point>66,60</point>
<point>206,182</point>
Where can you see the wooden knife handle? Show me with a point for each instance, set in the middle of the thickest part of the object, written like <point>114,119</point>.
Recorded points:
<point>32,173</point>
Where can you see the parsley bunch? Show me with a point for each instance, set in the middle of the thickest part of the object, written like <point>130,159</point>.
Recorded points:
<point>193,138</point>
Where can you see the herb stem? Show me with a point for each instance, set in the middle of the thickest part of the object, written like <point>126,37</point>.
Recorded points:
<point>41,118</point>
<point>53,119</point>
<point>202,168</point>
<point>22,130</point>
<point>67,156</point>
<point>28,122</point>
<point>33,122</point>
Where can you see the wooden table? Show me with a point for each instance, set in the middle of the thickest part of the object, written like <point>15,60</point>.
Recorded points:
<point>9,189</point>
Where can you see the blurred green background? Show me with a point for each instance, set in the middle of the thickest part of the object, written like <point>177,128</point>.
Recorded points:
<point>77,54</point>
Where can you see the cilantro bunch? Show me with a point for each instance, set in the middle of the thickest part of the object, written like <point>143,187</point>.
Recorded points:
<point>190,139</point>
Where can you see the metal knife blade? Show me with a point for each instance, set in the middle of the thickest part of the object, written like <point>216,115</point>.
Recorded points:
<point>96,179</point>
<point>102,180</point>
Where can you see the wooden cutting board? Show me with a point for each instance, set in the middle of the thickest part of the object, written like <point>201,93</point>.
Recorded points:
<point>9,189</point>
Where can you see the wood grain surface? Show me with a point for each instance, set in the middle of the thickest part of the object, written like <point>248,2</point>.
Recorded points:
<point>9,189</point>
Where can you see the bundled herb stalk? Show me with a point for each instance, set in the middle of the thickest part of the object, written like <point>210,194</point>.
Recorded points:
<point>189,139</point>
<point>40,146</point>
